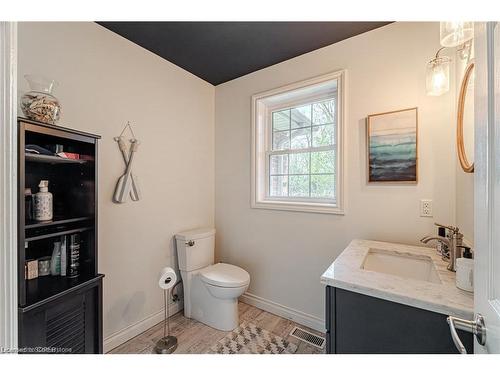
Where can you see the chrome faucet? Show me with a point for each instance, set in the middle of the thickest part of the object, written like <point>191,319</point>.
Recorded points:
<point>452,243</point>
<point>444,251</point>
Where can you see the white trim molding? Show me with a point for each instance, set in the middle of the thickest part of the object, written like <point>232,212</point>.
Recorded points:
<point>263,104</point>
<point>8,186</point>
<point>296,316</point>
<point>116,339</point>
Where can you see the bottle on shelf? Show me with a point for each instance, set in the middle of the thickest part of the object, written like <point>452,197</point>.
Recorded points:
<point>74,256</point>
<point>55,262</point>
<point>64,256</point>
<point>43,202</point>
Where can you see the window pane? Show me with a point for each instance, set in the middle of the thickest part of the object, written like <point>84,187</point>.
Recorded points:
<point>278,186</point>
<point>323,113</point>
<point>323,186</point>
<point>301,138</point>
<point>281,120</point>
<point>323,135</point>
<point>278,164</point>
<point>299,186</point>
<point>299,163</point>
<point>322,162</point>
<point>281,140</point>
<point>301,116</point>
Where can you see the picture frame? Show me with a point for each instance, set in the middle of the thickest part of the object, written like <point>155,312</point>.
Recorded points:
<point>392,146</point>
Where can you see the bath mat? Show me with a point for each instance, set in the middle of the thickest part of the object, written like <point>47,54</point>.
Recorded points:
<point>247,338</point>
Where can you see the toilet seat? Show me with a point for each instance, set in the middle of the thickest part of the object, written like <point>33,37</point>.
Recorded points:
<point>225,275</point>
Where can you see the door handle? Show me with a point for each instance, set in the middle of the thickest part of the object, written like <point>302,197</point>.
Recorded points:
<point>476,327</point>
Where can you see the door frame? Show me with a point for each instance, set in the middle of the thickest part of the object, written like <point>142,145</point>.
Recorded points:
<point>8,187</point>
<point>486,194</point>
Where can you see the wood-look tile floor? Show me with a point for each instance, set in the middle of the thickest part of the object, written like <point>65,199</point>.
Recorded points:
<point>197,338</point>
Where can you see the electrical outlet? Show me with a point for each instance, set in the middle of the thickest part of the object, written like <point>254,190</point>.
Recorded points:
<point>426,207</point>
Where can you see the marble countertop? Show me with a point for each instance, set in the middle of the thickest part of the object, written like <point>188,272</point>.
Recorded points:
<point>445,298</point>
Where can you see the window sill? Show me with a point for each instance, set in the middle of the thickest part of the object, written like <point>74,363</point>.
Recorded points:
<point>322,208</point>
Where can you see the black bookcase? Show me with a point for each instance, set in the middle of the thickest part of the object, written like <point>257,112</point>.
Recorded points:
<point>58,314</point>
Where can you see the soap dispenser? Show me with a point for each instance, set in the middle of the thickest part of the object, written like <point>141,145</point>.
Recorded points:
<point>465,270</point>
<point>43,202</point>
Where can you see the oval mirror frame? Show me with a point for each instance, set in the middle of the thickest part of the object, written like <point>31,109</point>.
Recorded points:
<point>462,156</point>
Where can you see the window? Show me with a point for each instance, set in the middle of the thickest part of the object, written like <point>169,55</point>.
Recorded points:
<point>297,146</point>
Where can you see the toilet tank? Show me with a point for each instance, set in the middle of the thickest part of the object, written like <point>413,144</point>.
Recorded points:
<point>195,248</point>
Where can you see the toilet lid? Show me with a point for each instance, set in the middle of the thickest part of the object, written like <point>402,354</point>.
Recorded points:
<point>225,275</point>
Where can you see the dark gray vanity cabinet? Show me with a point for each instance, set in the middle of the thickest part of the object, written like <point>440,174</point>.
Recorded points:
<point>360,324</point>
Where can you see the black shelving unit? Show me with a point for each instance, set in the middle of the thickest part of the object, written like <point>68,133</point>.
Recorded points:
<point>59,313</point>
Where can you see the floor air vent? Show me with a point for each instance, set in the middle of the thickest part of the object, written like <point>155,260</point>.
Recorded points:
<point>308,337</point>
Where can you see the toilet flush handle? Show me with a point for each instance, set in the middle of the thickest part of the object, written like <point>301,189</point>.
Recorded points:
<point>190,243</point>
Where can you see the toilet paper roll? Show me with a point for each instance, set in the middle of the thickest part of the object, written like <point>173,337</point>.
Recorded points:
<point>167,278</point>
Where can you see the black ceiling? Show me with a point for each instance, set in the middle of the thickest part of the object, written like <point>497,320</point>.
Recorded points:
<point>221,51</point>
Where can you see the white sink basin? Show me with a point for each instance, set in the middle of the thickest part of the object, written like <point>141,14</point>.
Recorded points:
<point>410,266</point>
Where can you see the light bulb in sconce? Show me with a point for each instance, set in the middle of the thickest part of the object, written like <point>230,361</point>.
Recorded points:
<point>438,76</point>
<point>453,34</point>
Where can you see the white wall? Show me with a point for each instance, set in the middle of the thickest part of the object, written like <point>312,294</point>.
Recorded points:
<point>286,252</point>
<point>106,81</point>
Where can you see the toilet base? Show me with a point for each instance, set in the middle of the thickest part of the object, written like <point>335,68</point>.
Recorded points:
<point>201,305</point>
<point>222,315</point>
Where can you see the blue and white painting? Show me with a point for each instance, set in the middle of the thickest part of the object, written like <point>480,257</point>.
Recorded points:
<point>392,146</point>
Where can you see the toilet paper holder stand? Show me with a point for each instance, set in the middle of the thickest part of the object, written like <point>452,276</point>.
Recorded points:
<point>167,344</point>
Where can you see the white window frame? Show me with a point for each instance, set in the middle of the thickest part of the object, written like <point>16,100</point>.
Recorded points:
<point>263,105</point>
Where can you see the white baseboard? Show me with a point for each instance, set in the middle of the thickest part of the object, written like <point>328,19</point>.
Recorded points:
<point>125,334</point>
<point>297,316</point>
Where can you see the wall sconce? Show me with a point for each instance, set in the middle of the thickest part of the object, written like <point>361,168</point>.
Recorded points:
<point>437,80</point>
<point>453,34</point>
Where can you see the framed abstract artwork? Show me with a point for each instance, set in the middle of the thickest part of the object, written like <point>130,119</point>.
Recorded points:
<point>392,140</point>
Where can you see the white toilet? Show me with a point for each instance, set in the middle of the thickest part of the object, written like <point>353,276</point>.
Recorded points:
<point>211,290</point>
